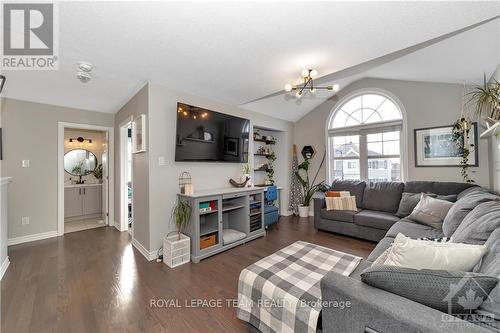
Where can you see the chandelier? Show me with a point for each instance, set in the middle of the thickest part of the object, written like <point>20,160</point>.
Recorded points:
<point>308,76</point>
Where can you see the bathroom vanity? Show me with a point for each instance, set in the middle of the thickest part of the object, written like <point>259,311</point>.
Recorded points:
<point>82,201</point>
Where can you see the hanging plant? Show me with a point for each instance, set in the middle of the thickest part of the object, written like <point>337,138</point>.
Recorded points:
<point>487,99</point>
<point>460,136</point>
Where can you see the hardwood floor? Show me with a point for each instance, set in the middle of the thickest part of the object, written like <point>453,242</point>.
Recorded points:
<point>95,281</point>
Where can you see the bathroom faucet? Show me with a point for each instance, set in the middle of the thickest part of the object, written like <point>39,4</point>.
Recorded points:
<point>80,181</point>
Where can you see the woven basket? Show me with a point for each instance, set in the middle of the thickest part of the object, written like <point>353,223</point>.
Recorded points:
<point>176,252</point>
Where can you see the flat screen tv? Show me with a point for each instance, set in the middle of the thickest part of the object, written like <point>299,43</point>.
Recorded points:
<point>209,136</point>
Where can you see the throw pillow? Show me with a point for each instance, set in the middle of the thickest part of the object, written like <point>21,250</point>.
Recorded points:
<point>341,203</point>
<point>411,253</point>
<point>490,265</point>
<point>430,211</point>
<point>337,194</point>
<point>438,289</point>
<point>478,225</point>
<point>410,200</point>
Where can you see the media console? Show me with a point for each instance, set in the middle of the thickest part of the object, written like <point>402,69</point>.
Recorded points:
<point>224,218</point>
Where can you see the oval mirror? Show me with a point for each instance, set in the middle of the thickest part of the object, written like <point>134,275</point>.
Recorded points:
<point>79,162</point>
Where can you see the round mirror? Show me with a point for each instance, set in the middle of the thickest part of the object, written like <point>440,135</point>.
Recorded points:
<point>79,162</point>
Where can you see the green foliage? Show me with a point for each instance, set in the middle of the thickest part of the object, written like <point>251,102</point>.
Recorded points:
<point>98,172</point>
<point>245,168</point>
<point>181,214</point>
<point>460,136</point>
<point>309,188</point>
<point>487,99</point>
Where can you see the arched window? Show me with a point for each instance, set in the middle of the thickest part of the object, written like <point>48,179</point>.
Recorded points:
<point>364,139</point>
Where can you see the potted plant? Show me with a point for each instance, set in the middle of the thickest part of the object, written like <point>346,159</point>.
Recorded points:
<point>245,169</point>
<point>309,188</point>
<point>176,248</point>
<point>460,136</point>
<point>487,99</point>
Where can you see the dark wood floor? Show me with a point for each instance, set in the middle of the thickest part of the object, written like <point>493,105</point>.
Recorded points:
<point>95,281</point>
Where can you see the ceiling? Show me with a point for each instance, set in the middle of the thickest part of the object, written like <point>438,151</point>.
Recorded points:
<point>244,51</point>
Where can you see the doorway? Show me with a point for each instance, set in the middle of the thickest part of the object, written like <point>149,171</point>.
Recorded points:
<point>85,177</point>
<point>126,179</point>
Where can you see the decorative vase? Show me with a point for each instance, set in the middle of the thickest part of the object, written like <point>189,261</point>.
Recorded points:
<point>303,211</point>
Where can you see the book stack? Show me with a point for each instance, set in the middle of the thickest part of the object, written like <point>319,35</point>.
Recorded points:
<point>208,206</point>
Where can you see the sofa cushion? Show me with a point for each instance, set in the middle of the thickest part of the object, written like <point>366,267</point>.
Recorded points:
<point>490,265</point>
<point>464,205</point>
<point>375,219</point>
<point>355,187</point>
<point>430,287</point>
<point>383,245</point>
<point>338,215</point>
<point>478,225</point>
<point>410,200</point>
<point>383,196</point>
<point>414,230</point>
<point>439,188</point>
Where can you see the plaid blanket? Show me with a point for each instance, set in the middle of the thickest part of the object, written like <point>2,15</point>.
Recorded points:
<point>281,292</point>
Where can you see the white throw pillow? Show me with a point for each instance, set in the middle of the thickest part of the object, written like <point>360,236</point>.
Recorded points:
<point>419,254</point>
<point>430,211</point>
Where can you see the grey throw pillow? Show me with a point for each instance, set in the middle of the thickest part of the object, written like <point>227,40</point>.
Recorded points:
<point>490,265</point>
<point>430,211</point>
<point>435,289</point>
<point>410,200</point>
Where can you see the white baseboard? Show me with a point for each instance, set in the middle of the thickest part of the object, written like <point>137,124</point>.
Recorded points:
<point>31,238</point>
<point>149,255</point>
<point>117,225</point>
<point>4,267</point>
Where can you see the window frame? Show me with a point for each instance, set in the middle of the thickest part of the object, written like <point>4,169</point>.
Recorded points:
<point>375,127</point>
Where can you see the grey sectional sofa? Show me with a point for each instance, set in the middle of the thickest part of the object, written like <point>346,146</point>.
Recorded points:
<point>375,310</point>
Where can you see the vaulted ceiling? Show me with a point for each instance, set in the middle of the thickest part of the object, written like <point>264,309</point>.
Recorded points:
<point>243,53</point>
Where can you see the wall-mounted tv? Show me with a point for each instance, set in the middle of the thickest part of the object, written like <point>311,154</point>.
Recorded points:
<point>209,136</point>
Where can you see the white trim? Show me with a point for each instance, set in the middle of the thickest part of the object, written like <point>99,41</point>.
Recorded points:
<point>149,255</point>
<point>60,170</point>
<point>32,238</point>
<point>404,140</point>
<point>123,215</point>
<point>4,267</point>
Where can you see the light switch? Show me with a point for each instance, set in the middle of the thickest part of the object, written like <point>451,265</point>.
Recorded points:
<point>161,160</point>
<point>25,220</point>
<point>26,163</point>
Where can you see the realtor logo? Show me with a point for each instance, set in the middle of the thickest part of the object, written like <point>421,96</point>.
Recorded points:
<point>29,36</point>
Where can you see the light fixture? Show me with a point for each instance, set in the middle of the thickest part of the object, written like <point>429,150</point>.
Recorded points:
<point>80,141</point>
<point>308,76</point>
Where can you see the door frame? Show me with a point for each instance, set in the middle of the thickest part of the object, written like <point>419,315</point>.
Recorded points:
<point>60,170</point>
<point>123,136</point>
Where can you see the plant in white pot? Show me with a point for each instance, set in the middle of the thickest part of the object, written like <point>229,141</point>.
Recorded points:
<point>309,188</point>
<point>176,248</point>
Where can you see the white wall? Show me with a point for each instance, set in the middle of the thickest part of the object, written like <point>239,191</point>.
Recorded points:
<point>30,133</point>
<point>426,105</point>
<point>163,180</point>
<point>494,143</point>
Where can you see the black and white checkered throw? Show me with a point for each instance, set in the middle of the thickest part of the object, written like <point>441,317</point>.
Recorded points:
<point>281,292</point>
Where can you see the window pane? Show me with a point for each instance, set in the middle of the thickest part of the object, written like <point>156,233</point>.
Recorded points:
<point>339,119</point>
<point>346,169</point>
<point>391,135</point>
<point>372,101</point>
<point>375,137</point>
<point>391,147</point>
<point>371,116</point>
<point>389,111</point>
<point>384,169</point>
<point>375,149</point>
<point>342,146</point>
<point>353,105</point>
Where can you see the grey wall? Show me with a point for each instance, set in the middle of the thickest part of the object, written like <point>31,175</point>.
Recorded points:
<point>30,133</point>
<point>426,105</point>
<point>137,105</point>
<point>163,180</point>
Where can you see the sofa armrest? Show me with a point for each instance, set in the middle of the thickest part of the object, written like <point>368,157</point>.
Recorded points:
<point>318,204</point>
<point>375,310</point>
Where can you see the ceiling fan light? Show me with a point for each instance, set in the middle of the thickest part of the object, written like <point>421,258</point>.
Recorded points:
<point>305,73</point>
<point>288,87</point>
<point>312,90</point>
<point>314,74</point>
<point>336,87</point>
<point>298,94</point>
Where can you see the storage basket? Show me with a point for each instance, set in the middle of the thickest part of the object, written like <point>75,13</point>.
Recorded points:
<point>176,252</point>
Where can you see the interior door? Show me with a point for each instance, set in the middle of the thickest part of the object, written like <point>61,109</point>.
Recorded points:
<point>105,181</point>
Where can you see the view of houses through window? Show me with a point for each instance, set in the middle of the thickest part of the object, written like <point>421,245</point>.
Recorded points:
<point>364,140</point>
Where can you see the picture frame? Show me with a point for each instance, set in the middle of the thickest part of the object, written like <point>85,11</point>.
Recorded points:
<point>139,134</point>
<point>434,147</point>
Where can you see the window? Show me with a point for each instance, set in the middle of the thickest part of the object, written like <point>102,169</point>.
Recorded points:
<point>364,139</point>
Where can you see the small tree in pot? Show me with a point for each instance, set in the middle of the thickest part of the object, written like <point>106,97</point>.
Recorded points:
<point>309,188</point>
<point>181,213</point>
<point>176,248</point>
